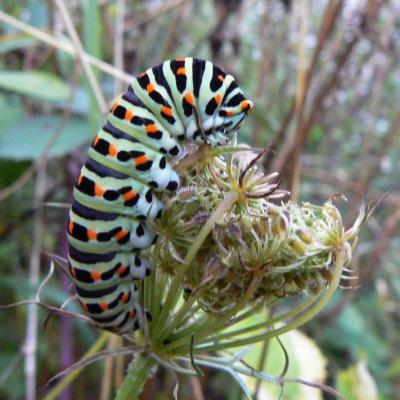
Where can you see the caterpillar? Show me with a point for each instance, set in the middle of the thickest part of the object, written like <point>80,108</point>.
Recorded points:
<point>128,166</point>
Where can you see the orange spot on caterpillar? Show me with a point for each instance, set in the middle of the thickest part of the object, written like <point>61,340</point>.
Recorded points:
<point>125,297</point>
<point>220,78</point>
<point>80,179</point>
<point>181,71</point>
<point>121,270</point>
<point>150,88</point>
<point>141,160</point>
<point>115,105</point>
<point>85,306</point>
<point>128,115</point>
<point>96,276</point>
<point>189,98</point>
<point>73,272</point>
<point>151,128</point>
<point>229,113</point>
<point>112,150</point>
<point>96,140</point>
<point>91,234</point>
<point>246,105</point>
<point>103,306</point>
<point>167,111</point>
<point>129,195</point>
<point>218,98</point>
<point>98,190</point>
<point>121,234</point>
<point>70,226</point>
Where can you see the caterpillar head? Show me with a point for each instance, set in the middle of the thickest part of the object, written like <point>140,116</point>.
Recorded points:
<point>227,120</point>
<point>235,116</point>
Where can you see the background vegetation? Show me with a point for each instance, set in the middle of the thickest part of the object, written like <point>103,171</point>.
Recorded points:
<point>324,76</point>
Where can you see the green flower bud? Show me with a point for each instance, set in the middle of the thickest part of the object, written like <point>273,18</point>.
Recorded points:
<point>304,236</point>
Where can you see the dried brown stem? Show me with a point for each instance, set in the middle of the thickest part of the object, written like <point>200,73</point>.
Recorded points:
<point>328,23</point>
<point>80,51</point>
<point>317,104</point>
<point>30,345</point>
<point>119,42</point>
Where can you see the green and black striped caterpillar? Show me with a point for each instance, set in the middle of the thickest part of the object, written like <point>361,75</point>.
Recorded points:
<point>179,101</point>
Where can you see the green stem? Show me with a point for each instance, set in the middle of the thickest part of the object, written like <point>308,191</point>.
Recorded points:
<point>308,315</point>
<point>175,289</point>
<point>205,322</point>
<point>97,345</point>
<point>138,373</point>
<point>181,314</point>
<point>206,330</point>
<point>266,324</point>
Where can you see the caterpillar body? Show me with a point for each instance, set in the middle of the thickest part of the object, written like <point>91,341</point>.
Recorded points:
<point>179,101</point>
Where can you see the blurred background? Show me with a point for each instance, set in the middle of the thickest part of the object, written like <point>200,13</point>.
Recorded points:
<point>324,76</point>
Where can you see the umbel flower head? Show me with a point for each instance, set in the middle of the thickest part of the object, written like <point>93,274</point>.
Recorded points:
<point>229,247</point>
<point>258,250</point>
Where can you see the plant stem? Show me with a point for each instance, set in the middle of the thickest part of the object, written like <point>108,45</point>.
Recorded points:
<point>307,316</point>
<point>97,345</point>
<point>64,45</point>
<point>139,371</point>
<point>30,345</point>
<point>174,290</point>
<point>69,25</point>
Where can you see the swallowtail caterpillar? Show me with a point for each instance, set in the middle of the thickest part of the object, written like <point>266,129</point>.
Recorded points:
<point>179,101</point>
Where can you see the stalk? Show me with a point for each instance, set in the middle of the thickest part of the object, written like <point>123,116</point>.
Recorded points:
<point>68,379</point>
<point>174,290</point>
<point>139,371</point>
<point>308,315</point>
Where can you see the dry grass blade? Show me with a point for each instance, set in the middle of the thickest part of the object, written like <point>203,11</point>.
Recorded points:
<point>119,42</point>
<point>53,309</point>
<point>30,344</point>
<point>89,360</point>
<point>65,46</point>
<point>12,366</point>
<point>45,282</point>
<point>145,19</point>
<point>327,25</point>
<point>80,51</point>
<point>60,261</point>
<point>316,385</point>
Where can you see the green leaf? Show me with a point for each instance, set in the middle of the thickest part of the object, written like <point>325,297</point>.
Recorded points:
<point>28,139</point>
<point>92,42</point>
<point>11,171</point>
<point>356,383</point>
<point>15,41</point>
<point>305,362</point>
<point>39,85</point>
<point>10,113</point>
<point>394,369</point>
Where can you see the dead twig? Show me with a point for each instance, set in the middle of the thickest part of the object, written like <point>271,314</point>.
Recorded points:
<point>30,345</point>
<point>64,45</point>
<point>119,42</point>
<point>80,51</point>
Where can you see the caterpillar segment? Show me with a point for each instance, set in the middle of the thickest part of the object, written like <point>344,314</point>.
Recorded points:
<point>104,189</point>
<point>129,166</point>
<point>138,123</point>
